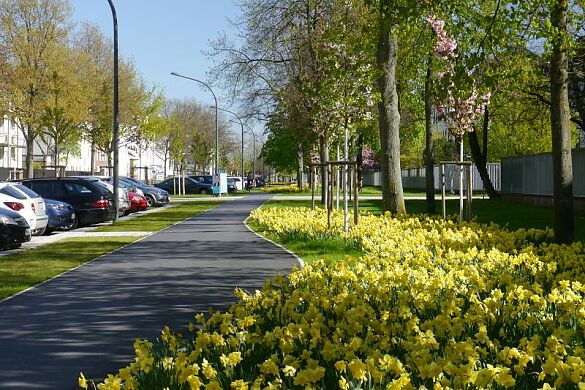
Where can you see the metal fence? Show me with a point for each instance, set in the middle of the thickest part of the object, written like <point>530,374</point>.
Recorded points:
<point>416,178</point>
<point>533,174</point>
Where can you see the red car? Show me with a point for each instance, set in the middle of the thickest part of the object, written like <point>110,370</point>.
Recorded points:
<point>137,202</point>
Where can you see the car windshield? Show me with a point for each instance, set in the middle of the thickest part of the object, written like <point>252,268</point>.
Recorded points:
<point>136,181</point>
<point>102,184</point>
<point>27,191</point>
<point>127,182</point>
<point>11,191</point>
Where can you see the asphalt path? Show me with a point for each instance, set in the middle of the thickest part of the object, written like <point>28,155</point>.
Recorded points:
<point>87,319</point>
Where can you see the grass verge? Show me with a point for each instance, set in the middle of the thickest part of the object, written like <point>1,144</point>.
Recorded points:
<point>25,269</point>
<point>329,250</point>
<point>156,221</point>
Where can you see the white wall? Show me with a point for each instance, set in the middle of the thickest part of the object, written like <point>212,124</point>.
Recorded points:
<point>12,145</point>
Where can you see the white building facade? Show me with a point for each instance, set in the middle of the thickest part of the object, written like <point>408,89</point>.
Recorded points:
<point>144,162</point>
<point>12,150</point>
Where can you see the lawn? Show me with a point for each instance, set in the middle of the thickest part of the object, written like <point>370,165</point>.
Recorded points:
<point>166,217</point>
<point>21,270</point>
<point>310,250</point>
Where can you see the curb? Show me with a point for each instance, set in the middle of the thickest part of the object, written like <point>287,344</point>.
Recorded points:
<point>301,262</point>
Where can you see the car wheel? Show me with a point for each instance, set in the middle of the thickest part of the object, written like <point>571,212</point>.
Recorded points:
<point>203,191</point>
<point>75,224</point>
<point>150,200</point>
<point>48,231</point>
<point>39,232</point>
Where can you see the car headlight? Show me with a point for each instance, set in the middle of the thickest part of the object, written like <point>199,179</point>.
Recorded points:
<point>5,220</point>
<point>56,206</point>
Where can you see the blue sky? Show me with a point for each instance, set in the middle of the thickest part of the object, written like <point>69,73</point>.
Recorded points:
<point>164,36</point>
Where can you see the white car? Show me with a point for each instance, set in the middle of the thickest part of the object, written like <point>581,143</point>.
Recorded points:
<point>122,196</point>
<point>29,204</point>
<point>237,181</point>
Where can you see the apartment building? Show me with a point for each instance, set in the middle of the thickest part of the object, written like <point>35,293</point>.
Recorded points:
<point>12,150</point>
<point>142,162</point>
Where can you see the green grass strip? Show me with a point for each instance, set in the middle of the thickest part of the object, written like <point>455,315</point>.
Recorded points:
<point>156,221</point>
<point>328,249</point>
<point>30,267</point>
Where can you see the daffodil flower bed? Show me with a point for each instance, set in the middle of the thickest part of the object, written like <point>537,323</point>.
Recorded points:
<point>432,305</point>
<point>293,188</point>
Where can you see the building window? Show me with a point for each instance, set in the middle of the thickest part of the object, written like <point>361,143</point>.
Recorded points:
<point>13,153</point>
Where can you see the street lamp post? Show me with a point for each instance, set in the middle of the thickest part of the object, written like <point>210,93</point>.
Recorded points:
<point>251,132</point>
<point>242,126</point>
<point>216,126</point>
<point>115,141</point>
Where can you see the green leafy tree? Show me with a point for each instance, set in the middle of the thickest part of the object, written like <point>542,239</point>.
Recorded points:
<point>31,32</point>
<point>557,23</point>
<point>67,104</point>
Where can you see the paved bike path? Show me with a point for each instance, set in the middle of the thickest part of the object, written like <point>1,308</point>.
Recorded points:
<point>87,319</point>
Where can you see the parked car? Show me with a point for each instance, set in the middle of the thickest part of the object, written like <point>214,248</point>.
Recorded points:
<point>235,183</point>
<point>192,186</point>
<point>61,215</point>
<point>207,179</point>
<point>27,203</point>
<point>127,185</point>
<point>123,202</point>
<point>137,202</point>
<point>155,196</point>
<point>14,230</point>
<point>92,202</point>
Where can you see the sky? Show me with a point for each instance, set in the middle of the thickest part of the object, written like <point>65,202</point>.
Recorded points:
<point>163,37</point>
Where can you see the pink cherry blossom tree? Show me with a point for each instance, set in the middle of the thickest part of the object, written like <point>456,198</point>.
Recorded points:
<point>460,107</point>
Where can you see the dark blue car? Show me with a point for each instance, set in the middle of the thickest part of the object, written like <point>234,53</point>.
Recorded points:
<point>61,215</point>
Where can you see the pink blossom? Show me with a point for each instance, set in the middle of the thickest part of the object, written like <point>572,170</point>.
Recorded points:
<point>462,108</point>
<point>369,160</point>
<point>444,46</point>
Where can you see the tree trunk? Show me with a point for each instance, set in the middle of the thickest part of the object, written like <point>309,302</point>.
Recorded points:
<point>300,164</point>
<point>29,160</point>
<point>324,149</point>
<point>166,159</point>
<point>110,166</point>
<point>56,163</point>
<point>429,153</point>
<point>393,196</point>
<point>564,220</point>
<point>359,158</point>
<point>480,157</point>
<point>92,158</point>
